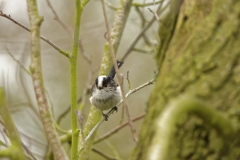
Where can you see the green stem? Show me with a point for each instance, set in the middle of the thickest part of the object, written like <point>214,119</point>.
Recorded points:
<point>73,76</point>
<point>6,153</point>
<point>16,150</point>
<point>73,85</point>
<point>166,123</point>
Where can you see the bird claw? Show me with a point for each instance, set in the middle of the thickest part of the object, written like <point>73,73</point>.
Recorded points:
<point>115,109</point>
<point>105,116</point>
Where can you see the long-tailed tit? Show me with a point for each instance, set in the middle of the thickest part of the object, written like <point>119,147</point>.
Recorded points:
<point>106,93</point>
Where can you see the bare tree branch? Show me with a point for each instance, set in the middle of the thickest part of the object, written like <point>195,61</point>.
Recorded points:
<point>103,154</point>
<point>120,78</point>
<point>43,38</point>
<point>115,130</point>
<point>36,70</point>
<point>58,19</point>
<point>136,39</point>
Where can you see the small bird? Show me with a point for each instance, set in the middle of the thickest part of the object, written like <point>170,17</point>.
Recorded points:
<point>106,93</point>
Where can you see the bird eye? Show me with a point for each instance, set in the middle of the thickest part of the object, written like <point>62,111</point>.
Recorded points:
<point>105,85</point>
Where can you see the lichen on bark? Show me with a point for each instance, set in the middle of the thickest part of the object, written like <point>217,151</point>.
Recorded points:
<point>201,58</point>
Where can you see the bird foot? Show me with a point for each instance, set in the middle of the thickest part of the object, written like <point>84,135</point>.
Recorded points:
<point>105,116</point>
<point>115,109</point>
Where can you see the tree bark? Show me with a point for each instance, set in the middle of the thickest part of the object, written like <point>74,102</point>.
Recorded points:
<point>199,54</point>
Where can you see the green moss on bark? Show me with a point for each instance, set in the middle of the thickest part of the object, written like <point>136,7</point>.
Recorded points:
<point>202,59</point>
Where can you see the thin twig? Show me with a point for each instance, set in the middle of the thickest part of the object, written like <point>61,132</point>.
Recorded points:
<point>130,123</point>
<point>103,154</point>
<point>95,128</point>
<point>28,151</point>
<point>27,71</point>
<point>109,5</point>
<point>141,50</point>
<point>140,34</point>
<point>146,4</point>
<point>122,116</point>
<point>85,56</point>
<point>3,132</point>
<point>154,13</point>
<point>35,140</point>
<point>25,92</point>
<point>43,38</point>
<point>21,80</point>
<point>58,19</point>
<point>115,130</point>
<point>143,22</point>
<point>113,149</point>
<point>117,71</point>
<point>80,122</point>
<point>140,87</point>
<point>66,111</point>
<point>136,4</point>
<point>128,80</point>
<point>91,72</point>
<point>113,110</point>
<point>60,129</point>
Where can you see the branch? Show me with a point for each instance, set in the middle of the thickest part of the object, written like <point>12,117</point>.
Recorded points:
<point>58,19</point>
<point>27,71</point>
<point>43,38</point>
<point>86,91</point>
<point>146,4</point>
<point>166,123</point>
<point>28,152</point>
<point>109,5</point>
<point>136,39</point>
<point>135,4</point>
<point>102,154</point>
<point>143,22</point>
<point>115,130</point>
<point>73,76</point>
<point>7,153</point>
<point>15,151</point>
<point>91,72</point>
<point>141,50</point>
<point>36,70</point>
<point>80,122</point>
<point>119,23</point>
<point>120,79</point>
<point>154,13</point>
<point>66,111</point>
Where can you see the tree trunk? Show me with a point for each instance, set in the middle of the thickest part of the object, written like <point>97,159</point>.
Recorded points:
<point>199,54</point>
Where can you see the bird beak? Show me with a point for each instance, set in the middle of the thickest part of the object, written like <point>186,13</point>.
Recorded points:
<point>99,87</point>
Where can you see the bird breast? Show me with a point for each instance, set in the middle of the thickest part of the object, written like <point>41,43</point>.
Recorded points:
<point>106,99</point>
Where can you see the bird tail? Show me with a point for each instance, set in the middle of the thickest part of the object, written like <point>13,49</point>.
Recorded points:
<point>112,72</point>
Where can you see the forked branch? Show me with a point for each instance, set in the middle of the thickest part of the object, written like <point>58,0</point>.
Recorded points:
<point>167,121</point>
